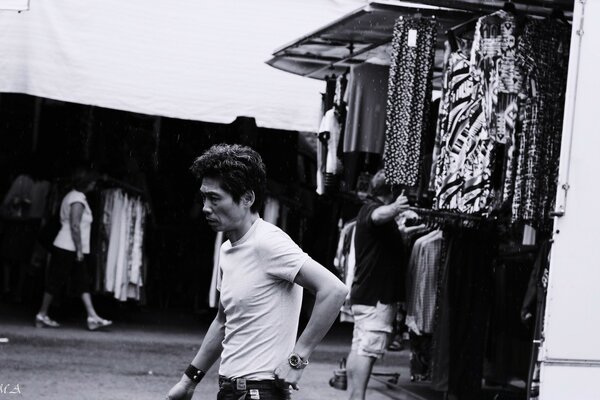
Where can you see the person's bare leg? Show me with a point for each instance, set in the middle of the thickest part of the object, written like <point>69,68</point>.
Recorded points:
<point>89,307</point>
<point>358,369</point>
<point>46,301</point>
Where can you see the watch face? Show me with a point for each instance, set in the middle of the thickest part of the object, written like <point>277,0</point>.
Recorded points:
<point>294,360</point>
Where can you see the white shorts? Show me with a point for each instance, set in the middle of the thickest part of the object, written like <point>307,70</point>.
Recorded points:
<point>373,326</point>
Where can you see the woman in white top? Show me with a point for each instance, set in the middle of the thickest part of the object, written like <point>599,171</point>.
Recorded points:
<point>71,251</point>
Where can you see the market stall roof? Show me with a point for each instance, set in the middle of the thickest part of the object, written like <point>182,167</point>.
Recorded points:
<point>366,33</point>
<point>190,59</point>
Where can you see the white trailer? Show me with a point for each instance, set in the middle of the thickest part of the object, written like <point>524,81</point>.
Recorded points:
<point>570,350</point>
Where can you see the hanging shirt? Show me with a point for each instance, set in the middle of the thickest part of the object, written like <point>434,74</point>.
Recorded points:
<point>366,98</point>
<point>422,280</point>
<point>331,124</point>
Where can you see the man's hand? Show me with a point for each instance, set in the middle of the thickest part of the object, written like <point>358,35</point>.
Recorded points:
<point>79,256</point>
<point>405,231</point>
<point>183,390</point>
<point>286,376</point>
<point>401,203</point>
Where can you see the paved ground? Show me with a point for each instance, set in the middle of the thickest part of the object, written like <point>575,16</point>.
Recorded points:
<point>141,360</point>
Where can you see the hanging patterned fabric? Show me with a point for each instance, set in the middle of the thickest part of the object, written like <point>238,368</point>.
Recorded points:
<point>543,54</point>
<point>409,96</point>
<point>499,80</point>
<point>442,116</point>
<point>459,131</point>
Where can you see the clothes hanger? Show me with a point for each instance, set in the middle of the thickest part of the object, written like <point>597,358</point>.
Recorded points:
<point>452,33</point>
<point>510,7</point>
<point>558,14</point>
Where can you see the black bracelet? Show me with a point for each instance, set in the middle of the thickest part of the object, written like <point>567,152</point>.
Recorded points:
<point>194,373</point>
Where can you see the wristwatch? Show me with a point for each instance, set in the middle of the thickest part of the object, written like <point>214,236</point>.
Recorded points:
<point>296,361</point>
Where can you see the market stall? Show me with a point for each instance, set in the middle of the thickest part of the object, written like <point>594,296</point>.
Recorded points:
<point>462,104</point>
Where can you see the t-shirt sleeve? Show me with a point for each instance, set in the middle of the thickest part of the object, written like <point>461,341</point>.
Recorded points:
<point>368,214</point>
<point>282,257</point>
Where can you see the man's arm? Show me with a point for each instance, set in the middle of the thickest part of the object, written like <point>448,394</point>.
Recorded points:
<point>330,294</point>
<point>388,212</point>
<point>209,353</point>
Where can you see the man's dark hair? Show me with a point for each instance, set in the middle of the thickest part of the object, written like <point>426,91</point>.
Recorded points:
<point>378,185</point>
<point>239,168</point>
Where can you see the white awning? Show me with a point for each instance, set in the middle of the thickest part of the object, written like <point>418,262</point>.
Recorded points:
<point>190,59</point>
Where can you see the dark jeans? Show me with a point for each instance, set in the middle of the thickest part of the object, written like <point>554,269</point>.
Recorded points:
<point>263,390</point>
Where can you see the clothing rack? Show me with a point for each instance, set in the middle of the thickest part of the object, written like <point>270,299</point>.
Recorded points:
<point>107,182</point>
<point>452,218</point>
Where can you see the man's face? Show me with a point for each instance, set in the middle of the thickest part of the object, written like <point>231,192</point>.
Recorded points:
<point>221,211</point>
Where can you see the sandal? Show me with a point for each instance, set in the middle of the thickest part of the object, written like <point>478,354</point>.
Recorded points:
<point>97,323</point>
<point>43,321</point>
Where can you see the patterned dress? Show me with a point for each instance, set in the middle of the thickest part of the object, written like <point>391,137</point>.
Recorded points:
<point>409,97</point>
<point>456,135</point>
<point>543,54</point>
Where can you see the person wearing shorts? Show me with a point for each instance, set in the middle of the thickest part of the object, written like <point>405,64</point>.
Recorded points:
<point>377,281</point>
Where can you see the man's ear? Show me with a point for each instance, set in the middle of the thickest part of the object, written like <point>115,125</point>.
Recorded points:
<point>248,198</point>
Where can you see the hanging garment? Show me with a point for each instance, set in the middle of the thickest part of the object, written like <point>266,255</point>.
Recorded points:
<point>366,99</point>
<point>499,80</point>
<point>461,314</point>
<point>442,119</point>
<point>136,260</point>
<point>331,125</point>
<point>344,262</point>
<point>103,239</point>
<point>123,230</point>
<point>114,242</point>
<point>271,212</point>
<point>543,54</point>
<point>422,279</point>
<point>213,295</point>
<point>460,130</point>
<point>409,96</point>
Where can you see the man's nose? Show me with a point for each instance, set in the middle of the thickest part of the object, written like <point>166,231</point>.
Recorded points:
<point>206,208</point>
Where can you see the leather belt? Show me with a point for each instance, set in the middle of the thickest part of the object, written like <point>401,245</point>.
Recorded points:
<point>234,384</point>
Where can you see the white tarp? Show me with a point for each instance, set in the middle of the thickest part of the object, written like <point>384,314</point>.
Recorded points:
<point>190,59</point>
<point>14,5</point>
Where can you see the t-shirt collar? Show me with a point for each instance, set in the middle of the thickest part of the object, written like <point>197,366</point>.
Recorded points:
<point>247,234</point>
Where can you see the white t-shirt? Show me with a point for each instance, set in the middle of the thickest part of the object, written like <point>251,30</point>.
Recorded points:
<point>330,124</point>
<point>261,302</point>
<point>64,240</point>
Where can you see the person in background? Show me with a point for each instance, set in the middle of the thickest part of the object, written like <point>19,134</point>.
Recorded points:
<point>70,252</point>
<point>262,273</point>
<point>21,211</point>
<point>377,281</point>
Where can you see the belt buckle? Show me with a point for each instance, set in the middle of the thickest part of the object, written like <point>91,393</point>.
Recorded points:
<point>240,384</point>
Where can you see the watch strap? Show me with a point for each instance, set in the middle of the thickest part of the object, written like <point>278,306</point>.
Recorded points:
<point>194,373</point>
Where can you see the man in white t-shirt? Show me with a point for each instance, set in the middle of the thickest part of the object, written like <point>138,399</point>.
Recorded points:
<point>262,273</point>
